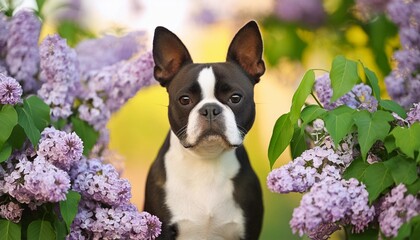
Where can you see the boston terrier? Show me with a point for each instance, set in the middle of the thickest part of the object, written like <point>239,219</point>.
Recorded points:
<point>201,184</point>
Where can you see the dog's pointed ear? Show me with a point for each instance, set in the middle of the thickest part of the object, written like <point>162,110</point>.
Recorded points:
<point>246,50</point>
<point>169,54</point>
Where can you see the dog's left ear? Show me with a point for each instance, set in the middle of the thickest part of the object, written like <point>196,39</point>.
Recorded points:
<point>246,50</point>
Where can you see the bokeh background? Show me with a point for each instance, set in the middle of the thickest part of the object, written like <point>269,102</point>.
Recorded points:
<point>298,35</point>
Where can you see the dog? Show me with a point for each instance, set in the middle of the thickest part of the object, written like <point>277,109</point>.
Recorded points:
<point>201,184</point>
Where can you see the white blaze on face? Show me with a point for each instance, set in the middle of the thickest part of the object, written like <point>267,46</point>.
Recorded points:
<point>207,82</point>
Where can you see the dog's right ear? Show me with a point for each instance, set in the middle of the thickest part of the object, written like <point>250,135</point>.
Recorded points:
<point>169,54</point>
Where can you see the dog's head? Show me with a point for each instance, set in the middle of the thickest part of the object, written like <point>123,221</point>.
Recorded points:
<point>210,104</point>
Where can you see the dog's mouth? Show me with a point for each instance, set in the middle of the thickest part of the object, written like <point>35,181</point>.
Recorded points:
<point>210,138</point>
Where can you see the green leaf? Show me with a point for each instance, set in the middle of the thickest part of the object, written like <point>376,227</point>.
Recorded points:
<point>86,133</point>
<point>407,139</point>
<point>69,207</point>
<point>371,128</point>
<point>357,169</point>
<point>415,231</point>
<point>9,230</point>
<point>19,137</point>
<point>389,143</point>
<point>281,137</point>
<point>393,107</point>
<point>39,111</point>
<point>339,122</point>
<point>302,92</point>
<point>414,188</point>
<point>298,143</point>
<point>311,113</point>
<point>60,229</point>
<point>343,76</point>
<point>403,170</point>
<point>5,152</point>
<point>8,120</point>
<point>28,125</point>
<point>404,231</point>
<point>40,230</point>
<point>377,178</point>
<point>372,81</point>
<point>368,234</point>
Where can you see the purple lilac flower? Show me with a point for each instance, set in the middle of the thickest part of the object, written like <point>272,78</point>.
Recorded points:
<point>414,114</point>
<point>61,149</point>
<point>396,208</point>
<point>22,49</point>
<point>71,10</point>
<point>331,203</point>
<point>92,57</point>
<point>403,84</point>
<point>369,8</point>
<point>100,182</point>
<point>10,90</point>
<point>11,211</point>
<point>309,13</point>
<point>37,181</point>
<point>360,97</point>
<point>123,222</point>
<point>109,88</point>
<point>59,72</point>
<point>312,166</point>
<point>4,32</point>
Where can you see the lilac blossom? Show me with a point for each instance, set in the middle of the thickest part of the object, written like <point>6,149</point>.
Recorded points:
<point>61,149</point>
<point>370,8</point>
<point>396,208</point>
<point>11,211</point>
<point>414,114</point>
<point>4,32</point>
<point>37,181</point>
<point>22,49</point>
<point>331,203</point>
<point>360,97</point>
<point>10,90</point>
<point>92,57</point>
<point>59,72</point>
<point>100,182</point>
<point>310,13</point>
<point>312,166</point>
<point>108,89</point>
<point>403,83</point>
<point>123,222</point>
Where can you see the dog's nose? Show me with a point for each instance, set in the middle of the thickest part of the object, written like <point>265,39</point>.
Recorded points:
<point>210,111</point>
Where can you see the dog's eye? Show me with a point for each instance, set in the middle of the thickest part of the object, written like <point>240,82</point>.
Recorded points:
<point>185,100</point>
<point>235,98</point>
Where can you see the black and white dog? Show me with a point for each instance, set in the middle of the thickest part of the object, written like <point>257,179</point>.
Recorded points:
<point>201,184</point>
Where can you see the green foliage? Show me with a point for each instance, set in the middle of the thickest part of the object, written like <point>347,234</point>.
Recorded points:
<point>311,113</point>
<point>9,230</point>
<point>302,92</point>
<point>40,230</point>
<point>377,178</point>
<point>8,120</point>
<point>86,133</point>
<point>69,208</point>
<point>407,139</point>
<point>392,106</point>
<point>343,76</point>
<point>281,137</point>
<point>339,122</point>
<point>298,142</point>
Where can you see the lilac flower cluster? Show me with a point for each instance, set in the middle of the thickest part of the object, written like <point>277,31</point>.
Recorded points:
<point>10,90</point>
<point>308,13</point>
<point>100,182</point>
<point>22,57</point>
<point>35,182</point>
<point>330,203</point>
<point>370,8</point>
<point>105,211</point>
<point>11,211</point>
<point>314,165</point>
<point>403,84</point>
<point>121,222</point>
<point>360,97</point>
<point>59,72</point>
<point>117,50</point>
<point>396,208</point>
<point>61,149</point>
<point>414,114</point>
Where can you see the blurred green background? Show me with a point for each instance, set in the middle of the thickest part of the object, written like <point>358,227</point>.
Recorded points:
<point>309,39</point>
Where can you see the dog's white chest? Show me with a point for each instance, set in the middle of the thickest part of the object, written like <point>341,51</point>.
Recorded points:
<point>199,194</point>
